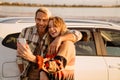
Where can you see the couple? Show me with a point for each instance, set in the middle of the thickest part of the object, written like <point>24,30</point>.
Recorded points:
<point>49,53</point>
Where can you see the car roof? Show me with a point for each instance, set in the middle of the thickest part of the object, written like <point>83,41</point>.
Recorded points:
<point>70,22</point>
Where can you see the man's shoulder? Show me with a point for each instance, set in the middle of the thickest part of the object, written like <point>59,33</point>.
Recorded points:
<point>30,27</point>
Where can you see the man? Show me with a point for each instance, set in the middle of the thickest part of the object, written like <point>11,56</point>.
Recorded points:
<point>35,37</point>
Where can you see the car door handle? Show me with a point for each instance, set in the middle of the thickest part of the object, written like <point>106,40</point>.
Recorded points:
<point>115,66</point>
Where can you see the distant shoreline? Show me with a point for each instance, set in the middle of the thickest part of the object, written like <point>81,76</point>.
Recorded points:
<point>55,5</point>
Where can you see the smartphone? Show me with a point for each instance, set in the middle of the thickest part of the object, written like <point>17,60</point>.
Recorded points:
<point>22,40</point>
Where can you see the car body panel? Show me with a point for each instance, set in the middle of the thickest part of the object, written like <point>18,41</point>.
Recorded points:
<point>17,27</point>
<point>86,68</point>
<point>113,64</point>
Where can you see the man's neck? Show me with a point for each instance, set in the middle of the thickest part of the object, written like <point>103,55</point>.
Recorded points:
<point>41,34</point>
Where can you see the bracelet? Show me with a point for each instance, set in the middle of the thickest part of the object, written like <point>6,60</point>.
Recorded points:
<point>39,60</point>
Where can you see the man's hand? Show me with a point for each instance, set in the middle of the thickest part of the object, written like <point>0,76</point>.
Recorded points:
<point>54,46</point>
<point>25,52</point>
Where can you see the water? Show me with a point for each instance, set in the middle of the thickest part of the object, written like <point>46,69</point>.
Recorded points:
<point>107,14</point>
<point>63,12</point>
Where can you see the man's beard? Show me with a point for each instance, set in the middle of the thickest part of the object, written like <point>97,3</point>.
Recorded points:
<point>41,31</point>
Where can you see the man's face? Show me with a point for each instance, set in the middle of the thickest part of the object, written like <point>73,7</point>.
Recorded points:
<point>41,20</point>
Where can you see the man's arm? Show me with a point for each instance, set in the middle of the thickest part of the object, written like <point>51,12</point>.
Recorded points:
<point>77,35</point>
<point>72,35</point>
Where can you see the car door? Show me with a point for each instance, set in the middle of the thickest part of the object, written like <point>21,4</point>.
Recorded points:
<point>90,68</point>
<point>89,64</point>
<point>8,67</point>
<point>112,57</point>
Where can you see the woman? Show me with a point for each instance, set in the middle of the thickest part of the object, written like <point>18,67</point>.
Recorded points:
<point>60,65</point>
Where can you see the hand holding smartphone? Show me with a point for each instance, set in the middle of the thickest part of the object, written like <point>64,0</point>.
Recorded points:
<point>22,41</point>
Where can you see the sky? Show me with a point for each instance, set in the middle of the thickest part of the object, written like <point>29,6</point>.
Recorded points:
<point>69,2</point>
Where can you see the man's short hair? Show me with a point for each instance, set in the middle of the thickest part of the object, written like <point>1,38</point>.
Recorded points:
<point>44,10</point>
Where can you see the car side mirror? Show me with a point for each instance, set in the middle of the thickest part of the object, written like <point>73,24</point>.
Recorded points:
<point>10,40</point>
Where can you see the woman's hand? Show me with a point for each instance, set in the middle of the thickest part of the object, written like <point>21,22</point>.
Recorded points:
<point>54,46</point>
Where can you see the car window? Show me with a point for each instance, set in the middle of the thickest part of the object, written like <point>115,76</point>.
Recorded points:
<point>10,40</point>
<point>112,42</point>
<point>86,45</point>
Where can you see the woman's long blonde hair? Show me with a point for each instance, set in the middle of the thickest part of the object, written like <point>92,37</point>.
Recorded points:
<point>58,22</point>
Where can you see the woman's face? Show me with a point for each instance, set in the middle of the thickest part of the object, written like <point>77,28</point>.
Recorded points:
<point>53,30</point>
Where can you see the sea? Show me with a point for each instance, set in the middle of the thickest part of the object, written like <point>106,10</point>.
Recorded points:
<point>101,13</point>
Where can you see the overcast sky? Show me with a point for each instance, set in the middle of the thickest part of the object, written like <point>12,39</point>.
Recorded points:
<point>69,2</point>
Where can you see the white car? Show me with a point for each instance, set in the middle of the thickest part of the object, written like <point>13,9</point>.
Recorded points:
<point>96,59</point>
